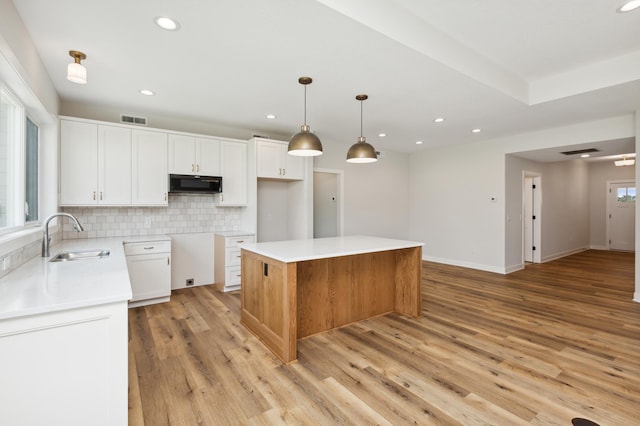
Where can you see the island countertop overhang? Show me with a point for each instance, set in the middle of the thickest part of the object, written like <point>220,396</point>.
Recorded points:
<point>321,248</point>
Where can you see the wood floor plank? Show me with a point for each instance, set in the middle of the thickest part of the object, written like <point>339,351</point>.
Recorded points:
<point>539,346</point>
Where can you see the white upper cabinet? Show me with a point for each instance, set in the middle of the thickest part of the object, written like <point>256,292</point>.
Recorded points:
<point>95,164</point>
<point>78,163</point>
<point>273,161</point>
<point>189,155</point>
<point>233,169</point>
<point>114,166</point>
<point>149,168</point>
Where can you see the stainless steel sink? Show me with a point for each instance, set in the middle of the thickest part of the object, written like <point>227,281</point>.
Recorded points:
<point>65,256</point>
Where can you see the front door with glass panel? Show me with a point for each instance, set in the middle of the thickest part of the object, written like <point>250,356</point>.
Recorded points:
<point>622,212</point>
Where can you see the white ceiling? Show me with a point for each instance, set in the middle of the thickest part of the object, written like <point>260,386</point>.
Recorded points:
<point>505,66</point>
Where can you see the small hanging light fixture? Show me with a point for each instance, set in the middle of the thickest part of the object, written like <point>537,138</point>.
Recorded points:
<point>361,151</point>
<point>76,72</point>
<point>305,143</point>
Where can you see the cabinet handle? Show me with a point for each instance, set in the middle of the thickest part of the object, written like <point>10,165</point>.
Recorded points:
<point>284,172</point>
<point>149,248</point>
<point>193,167</point>
<point>197,167</point>
<point>168,260</point>
<point>94,195</point>
<point>240,241</point>
<point>100,195</point>
<point>165,196</point>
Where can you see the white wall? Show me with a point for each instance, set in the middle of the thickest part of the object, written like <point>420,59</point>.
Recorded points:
<point>599,173</point>
<point>376,195</point>
<point>451,188</point>
<point>451,208</point>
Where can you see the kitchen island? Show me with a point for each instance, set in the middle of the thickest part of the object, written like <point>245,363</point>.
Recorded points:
<point>293,289</point>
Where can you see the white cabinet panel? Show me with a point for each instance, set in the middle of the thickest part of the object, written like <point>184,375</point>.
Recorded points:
<point>149,168</point>
<point>273,161</point>
<point>114,166</point>
<point>192,258</point>
<point>208,157</point>
<point>189,155</point>
<point>65,368</point>
<point>149,265</point>
<point>233,169</point>
<point>78,163</point>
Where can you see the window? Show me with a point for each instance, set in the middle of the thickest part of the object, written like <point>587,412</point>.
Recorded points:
<point>627,195</point>
<point>13,167</point>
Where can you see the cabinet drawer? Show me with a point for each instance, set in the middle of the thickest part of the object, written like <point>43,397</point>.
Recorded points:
<point>149,247</point>
<point>233,275</point>
<point>233,256</point>
<point>235,241</point>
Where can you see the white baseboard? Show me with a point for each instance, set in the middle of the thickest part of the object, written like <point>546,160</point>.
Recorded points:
<point>563,254</point>
<point>636,296</point>
<point>455,262</point>
<point>594,247</point>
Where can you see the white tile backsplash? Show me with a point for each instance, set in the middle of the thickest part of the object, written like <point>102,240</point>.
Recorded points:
<point>185,214</point>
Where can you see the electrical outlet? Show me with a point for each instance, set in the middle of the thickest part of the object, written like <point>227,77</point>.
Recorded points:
<point>6,263</point>
<point>189,282</point>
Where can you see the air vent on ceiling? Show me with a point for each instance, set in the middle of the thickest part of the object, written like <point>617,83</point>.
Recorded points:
<point>130,119</point>
<point>580,151</point>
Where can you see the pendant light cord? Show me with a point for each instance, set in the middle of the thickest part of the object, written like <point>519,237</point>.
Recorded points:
<point>305,104</point>
<point>361,133</point>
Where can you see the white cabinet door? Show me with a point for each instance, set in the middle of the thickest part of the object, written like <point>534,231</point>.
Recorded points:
<point>233,169</point>
<point>150,276</point>
<point>114,166</point>
<point>273,161</point>
<point>208,157</point>
<point>189,155</point>
<point>149,168</point>
<point>65,368</point>
<point>269,160</point>
<point>182,154</point>
<point>78,163</point>
<point>293,166</point>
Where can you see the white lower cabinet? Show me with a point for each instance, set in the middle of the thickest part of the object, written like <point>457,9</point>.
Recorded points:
<point>65,368</point>
<point>149,265</point>
<point>227,258</point>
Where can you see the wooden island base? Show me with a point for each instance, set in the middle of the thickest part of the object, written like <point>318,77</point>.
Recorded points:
<point>285,301</point>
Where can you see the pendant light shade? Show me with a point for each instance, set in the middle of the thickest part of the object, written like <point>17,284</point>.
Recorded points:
<point>305,143</point>
<point>76,72</point>
<point>361,151</point>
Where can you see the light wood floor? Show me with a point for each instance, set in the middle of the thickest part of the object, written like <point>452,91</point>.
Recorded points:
<point>540,346</point>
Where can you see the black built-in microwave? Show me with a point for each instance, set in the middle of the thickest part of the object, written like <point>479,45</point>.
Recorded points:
<point>190,184</point>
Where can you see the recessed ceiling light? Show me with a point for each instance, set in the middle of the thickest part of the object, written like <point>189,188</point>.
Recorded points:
<point>166,23</point>
<point>147,92</point>
<point>585,156</point>
<point>382,135</point>
<point>476,130</point>
<point>418,142</point>
<point>629,6</point>
<point>438,120</point>
<point>271,116</point>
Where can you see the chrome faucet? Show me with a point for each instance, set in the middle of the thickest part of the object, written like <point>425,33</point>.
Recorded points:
<point>45,228</point>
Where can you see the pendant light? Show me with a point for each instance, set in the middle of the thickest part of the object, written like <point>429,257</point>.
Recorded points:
<point>305,143</point>
<point>76,72</point>
<point>361,151</point>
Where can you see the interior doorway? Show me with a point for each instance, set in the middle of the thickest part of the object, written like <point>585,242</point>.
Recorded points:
<point>531,217</point>
<point>621,212</point>
<point>328,208</point>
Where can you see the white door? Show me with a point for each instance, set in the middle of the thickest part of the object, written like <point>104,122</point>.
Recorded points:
<point>532,201</point>
<point>326,205</point>
<point>622,212</point>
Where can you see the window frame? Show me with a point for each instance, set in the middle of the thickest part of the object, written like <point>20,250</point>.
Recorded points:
<point>16,167</point>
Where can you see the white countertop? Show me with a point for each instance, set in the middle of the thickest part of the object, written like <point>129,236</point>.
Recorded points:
<point>233,233</point>
<point>321,248</point>
<point>40,286</point>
